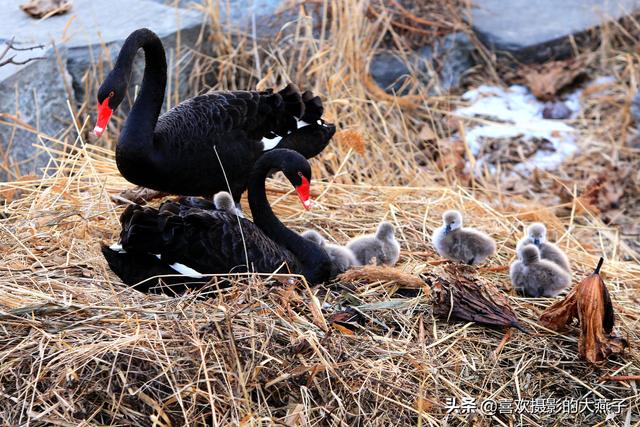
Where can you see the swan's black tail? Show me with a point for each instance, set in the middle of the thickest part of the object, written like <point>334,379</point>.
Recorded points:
<point>282,111</point>
<point>297,118</point>
<point>313,109</point>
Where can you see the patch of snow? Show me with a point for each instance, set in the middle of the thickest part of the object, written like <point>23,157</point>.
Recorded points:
<point>518,114</point>
<point>603,80</point>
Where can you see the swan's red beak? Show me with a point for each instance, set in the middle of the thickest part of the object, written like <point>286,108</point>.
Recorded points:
<point>104,114</point>
<point>304,192</point>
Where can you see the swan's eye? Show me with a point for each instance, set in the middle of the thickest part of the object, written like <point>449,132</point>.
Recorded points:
<point>111,94</point>
<point>300,174</point>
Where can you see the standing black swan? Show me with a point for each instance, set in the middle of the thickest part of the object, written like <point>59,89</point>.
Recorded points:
<point>174,153</point>
<point>194,241</point>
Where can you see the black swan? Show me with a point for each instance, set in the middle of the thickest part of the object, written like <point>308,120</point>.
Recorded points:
<point>194,241</point>
<point>180,151</point>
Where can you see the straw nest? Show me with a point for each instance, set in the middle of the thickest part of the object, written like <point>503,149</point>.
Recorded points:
<point>79,348</point>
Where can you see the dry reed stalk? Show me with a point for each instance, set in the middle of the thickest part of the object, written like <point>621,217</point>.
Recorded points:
<point>381,273</point>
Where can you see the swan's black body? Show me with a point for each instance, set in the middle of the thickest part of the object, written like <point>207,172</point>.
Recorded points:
<point>210,241</point>
<point>174,152</point>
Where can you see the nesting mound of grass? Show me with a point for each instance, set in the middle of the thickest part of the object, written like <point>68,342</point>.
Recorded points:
<point>78,347</point>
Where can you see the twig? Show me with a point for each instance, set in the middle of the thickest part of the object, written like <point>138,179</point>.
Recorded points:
<point>11,60</point>
<point>502,343</point>
<point>620,378</point>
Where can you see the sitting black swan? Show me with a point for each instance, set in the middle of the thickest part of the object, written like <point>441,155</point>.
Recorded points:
<point>176,152</point>
<point>194,241</point>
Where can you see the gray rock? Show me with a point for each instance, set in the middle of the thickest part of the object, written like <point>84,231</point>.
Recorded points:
<point>389,71</point>
<point>33,97</point>
<point>556,110</point>
<point>440,66</point>
<point>536,31</point>
<point>241,14</point>
<point>86,49</point>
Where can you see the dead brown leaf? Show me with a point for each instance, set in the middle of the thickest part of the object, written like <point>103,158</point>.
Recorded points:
<point>45,8</point>
<point>589,302</point>
<point>604,191</point>
<point>342,329</point>
<point>459,295</point>
<point>347,315</point>
<point>546,80</point>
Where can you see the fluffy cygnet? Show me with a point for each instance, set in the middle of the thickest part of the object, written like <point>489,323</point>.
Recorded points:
<point>224,202</point>
<point>465,245</point>
<point>342,258</point>
<point>536,277</point>
<point>537,235</point>
<point>381,246</point>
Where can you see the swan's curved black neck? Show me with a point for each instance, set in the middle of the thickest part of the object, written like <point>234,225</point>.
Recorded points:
<point>314,260</point>
<point>137,133</point>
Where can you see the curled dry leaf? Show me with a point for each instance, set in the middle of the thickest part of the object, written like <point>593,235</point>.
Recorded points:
<point>347,315</point>
<point>546,80</point>
<point>45,8</point>
<point>344,321</point>
<point>589,302</point>
<point>459,295</point>
<point>604,191</point>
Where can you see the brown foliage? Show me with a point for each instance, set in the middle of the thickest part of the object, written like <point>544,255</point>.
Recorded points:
<point>590,303</point>
<point>46,8</point>
<point>459,295</point>
<point>546,80</point>
<point>604,191</point>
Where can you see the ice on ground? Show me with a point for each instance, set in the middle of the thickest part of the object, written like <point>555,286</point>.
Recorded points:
<point>518,114</point>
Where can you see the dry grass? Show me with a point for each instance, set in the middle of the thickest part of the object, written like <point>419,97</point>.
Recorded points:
<point>80,348</point>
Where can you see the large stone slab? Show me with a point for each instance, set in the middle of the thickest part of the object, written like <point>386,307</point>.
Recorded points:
<point>539,30</point>
<point>266,16</point>
<point>32,100</point>
<point>87,41</point>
